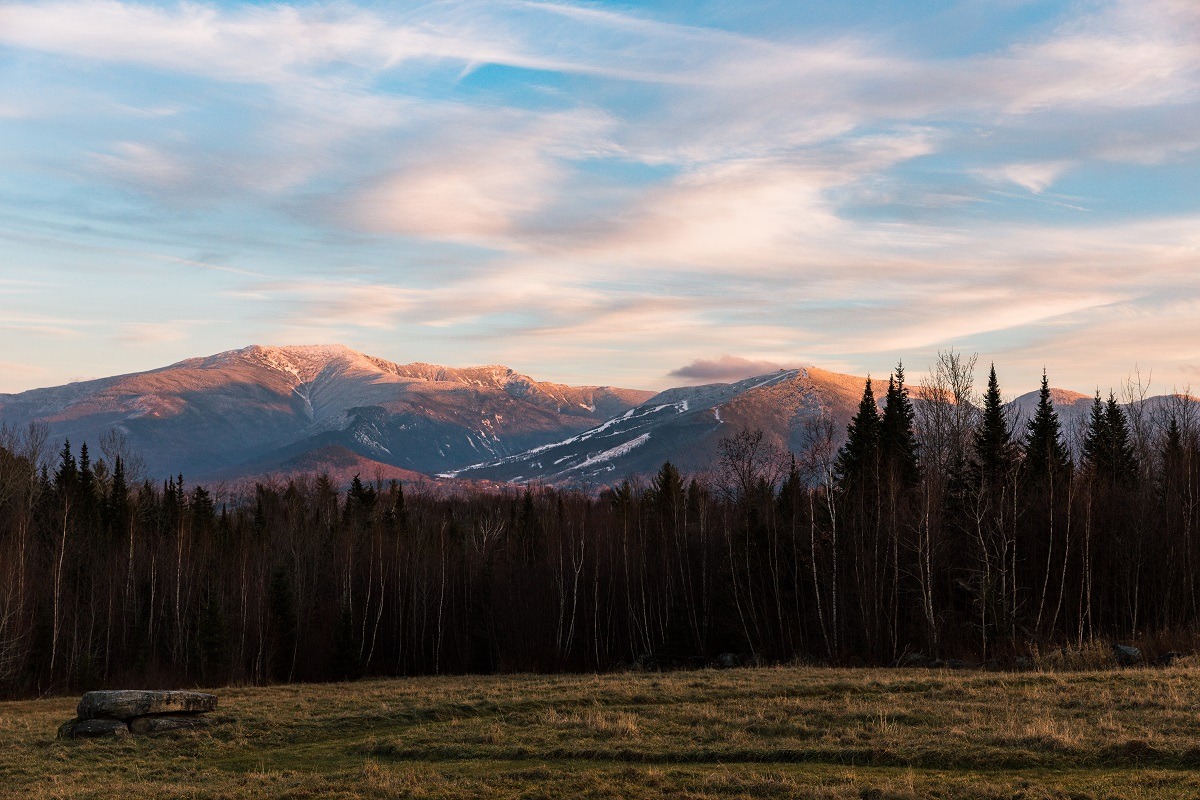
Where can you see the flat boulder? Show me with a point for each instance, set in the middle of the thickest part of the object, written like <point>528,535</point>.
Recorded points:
<point>1126,655</point>
<point>149,725</point>
<point>93,729</point>
<point>128,703</point>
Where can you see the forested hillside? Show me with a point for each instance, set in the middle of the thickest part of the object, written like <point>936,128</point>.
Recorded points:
<point>943,526</point>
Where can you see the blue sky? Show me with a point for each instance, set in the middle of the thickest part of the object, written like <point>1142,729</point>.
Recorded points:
<point>634,194</point>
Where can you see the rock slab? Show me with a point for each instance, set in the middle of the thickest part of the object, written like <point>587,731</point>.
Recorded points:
<point>93,729</point>
<point>1126,655</point>
<point>125,704</point>
<point>149,725</point>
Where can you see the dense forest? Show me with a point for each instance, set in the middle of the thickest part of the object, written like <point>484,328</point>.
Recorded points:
<point>943,525</point>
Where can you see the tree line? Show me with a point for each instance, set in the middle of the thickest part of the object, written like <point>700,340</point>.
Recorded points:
<point>944,525</point>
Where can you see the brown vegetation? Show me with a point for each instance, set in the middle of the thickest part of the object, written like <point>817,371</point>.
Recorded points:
<point>935,530</point>
<point>783,732</point>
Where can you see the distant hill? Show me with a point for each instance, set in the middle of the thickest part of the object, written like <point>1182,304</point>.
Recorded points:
<point>685,426</point>
<point>261,409</point>
<point>271,412</point>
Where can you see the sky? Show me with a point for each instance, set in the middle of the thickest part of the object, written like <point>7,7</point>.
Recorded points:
<point>637,194</point>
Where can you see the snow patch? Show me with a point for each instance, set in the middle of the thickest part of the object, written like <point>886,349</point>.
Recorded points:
<point>619,450</point>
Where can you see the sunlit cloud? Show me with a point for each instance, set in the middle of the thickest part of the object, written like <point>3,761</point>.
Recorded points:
<point>723,369</point>
<point>569,184</point>
<point>478,181</point>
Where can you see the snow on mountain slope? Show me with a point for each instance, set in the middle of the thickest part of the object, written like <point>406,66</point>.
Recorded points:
<point>211,414</point>
<point>276,410</point>
<point>684,426</point>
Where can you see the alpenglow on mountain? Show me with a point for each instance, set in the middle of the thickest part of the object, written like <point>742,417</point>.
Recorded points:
<point>263,411</point>
<point>281,411</point>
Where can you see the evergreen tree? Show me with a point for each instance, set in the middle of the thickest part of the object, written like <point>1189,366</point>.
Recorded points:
<point>527,529</point>
<point>203,512</point>
<point>993,440</point>
<point>1172,444</point>
<point>668,490</point>
<point>897,439</point>
<point>117,502</point>
<point>1107,449</point>
<point>1045,455</point>
<point>87,478</point>
<point>859,457</point>
<point>360,503</point>
<point>118,493</point>
<point>1173,457</point>
<point>1095,441</point>
<point>1123,460</point>
<point>67,474</point>
<point>395,516</point>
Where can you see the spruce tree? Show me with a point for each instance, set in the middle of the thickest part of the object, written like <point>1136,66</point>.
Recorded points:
<point>993,439</point>
<point>1173,444</point>
<point>68,472</point>
<point>1045,455</point>
<point>1172,458</point>
<point>1095,441</point>
<point>117,502</point>
<point>87,478</point>
<point>897,439</point>
<point>118,493</point>
<point>1123,460</point>
<point>360,504</point>
<point>859,457</point>
<point>668,490</point>
<point>1107,449</point>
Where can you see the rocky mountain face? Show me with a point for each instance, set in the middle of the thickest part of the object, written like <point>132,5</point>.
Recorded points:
<point>263,409</point>
<point>685,426</point>
<point>259,412</point>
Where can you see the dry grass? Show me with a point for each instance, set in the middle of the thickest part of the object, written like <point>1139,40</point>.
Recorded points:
<point>795,732</point>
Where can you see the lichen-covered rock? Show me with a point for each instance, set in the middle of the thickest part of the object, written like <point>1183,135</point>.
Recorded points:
<point>129,703</point>
<point>93,729</point>
<point>149,725</point>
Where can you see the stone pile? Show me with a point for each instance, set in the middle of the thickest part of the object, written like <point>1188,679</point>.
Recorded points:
<point>125,711</point>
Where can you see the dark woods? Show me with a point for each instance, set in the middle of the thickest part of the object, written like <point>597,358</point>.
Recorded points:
<point>943,525</point>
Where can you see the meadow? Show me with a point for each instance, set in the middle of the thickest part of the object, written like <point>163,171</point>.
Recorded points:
<point>766,732</point>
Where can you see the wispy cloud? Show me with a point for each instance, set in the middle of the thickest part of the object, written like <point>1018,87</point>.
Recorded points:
<point>1035,178</point>
<point>558,178</point>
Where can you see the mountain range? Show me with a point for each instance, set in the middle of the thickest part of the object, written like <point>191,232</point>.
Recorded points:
<point>262,410</point>
<point>278,411</point>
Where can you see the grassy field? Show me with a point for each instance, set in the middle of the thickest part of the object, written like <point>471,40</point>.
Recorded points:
<point>786,732</point>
